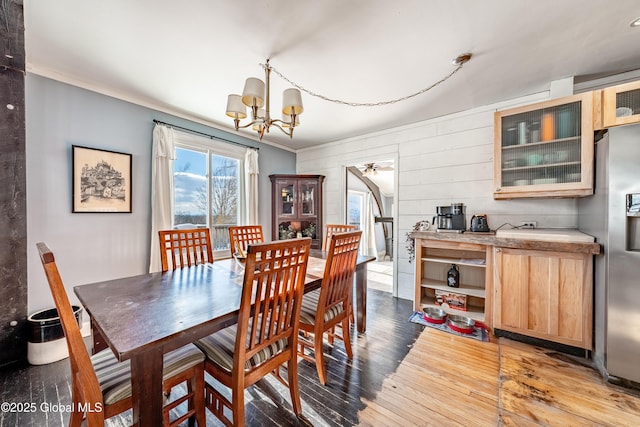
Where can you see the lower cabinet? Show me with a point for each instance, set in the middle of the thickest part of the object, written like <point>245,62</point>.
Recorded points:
<point>544,294</point>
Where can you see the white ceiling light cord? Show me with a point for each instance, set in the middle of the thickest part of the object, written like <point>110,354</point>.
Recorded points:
<point>459,62</point>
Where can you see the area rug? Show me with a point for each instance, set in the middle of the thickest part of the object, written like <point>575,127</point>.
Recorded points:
<point>479,332</point>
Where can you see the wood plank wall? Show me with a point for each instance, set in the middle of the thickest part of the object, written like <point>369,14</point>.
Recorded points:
<point>440,161</point>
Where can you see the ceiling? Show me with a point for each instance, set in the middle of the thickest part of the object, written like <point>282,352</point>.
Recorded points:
<point>184,58</point>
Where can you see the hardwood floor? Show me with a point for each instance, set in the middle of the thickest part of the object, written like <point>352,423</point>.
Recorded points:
<point>376,355</point>
<point>447,380</point>
<point>400,376</point>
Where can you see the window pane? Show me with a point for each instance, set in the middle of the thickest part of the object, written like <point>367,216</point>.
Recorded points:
<point>190,189</point>
<point>225,184</point>
<point>354,205</point>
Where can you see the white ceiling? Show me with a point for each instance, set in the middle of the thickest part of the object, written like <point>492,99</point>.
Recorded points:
<point>186,57</point>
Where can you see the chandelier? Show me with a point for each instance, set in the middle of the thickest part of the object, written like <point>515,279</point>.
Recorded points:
<point>253,96</point>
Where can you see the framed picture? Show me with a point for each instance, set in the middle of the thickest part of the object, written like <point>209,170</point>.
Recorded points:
<point>101,180</point>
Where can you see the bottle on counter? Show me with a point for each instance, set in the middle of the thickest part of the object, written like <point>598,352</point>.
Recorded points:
<point>453,276</point>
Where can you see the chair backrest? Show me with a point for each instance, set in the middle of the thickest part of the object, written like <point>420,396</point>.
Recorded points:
<point>331,229</point>
<point>83,375</point>
<point>241,236</point>
<point>184,248</point>
<point>337,281</point>
<point>274,277</point>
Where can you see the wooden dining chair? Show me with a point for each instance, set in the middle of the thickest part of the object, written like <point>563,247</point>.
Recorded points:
<point>330,306</point>
<point>266,334</point>
<point>184,248</point>
<point>331,229</point>
<point>241,236</point>
<point>101,385</point>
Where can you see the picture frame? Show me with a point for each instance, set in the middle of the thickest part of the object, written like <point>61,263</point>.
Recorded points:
<point>101,180</point>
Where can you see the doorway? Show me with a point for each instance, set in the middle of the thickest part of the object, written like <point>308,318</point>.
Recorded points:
<point>370,206</point>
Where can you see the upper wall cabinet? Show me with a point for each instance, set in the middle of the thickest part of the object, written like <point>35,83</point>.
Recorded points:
<point>545,149</point>
<point>621,104</point>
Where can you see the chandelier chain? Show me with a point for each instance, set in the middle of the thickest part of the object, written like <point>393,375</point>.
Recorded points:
<point>364,104</point>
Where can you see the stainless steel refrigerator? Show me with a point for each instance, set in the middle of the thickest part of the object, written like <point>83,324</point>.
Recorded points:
<point>612,215</point>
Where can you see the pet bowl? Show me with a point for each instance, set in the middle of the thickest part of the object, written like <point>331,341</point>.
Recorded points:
<point>461,324</point>
<point>434,315</point>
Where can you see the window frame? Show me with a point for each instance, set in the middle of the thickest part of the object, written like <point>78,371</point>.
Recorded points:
<point>212,146</point>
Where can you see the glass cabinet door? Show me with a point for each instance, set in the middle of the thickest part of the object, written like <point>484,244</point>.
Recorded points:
<point>542,146</point>
<point>307,192</point>
<point>543,149</point>
<point>287,202</point>
<point>621,104</point>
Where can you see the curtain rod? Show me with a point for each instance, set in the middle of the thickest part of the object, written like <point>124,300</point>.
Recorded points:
<point>203,134</point>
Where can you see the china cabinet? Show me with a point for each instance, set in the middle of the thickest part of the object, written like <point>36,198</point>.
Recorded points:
<point>545,149</point>
<point>544,294</point>
<point>297,207</point>
<point>621,104</point>
<point>434,258</point>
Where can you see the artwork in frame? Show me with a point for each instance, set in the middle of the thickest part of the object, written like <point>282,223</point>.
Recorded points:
<point>101,180</point>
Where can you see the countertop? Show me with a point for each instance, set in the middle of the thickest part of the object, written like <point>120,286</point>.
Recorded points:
<point>526,240</point>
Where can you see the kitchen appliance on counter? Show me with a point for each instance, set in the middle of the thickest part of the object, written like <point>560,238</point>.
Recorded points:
<point>450,218</point>
<point>611,215</point>
<point>479,224</point>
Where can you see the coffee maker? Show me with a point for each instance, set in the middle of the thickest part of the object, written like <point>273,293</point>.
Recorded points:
<point>450,218</point>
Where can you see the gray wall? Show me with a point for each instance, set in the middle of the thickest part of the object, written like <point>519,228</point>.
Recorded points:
<point>91,247</point>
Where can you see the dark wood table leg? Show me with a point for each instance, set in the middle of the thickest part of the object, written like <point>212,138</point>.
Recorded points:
<point>99,343</point>
<point>361,298</point>
<point>146,388</point>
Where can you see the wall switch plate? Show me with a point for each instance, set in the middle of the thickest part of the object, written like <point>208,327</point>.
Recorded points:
<point>528,224</point>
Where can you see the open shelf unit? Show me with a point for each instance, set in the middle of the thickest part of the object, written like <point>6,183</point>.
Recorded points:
<point>433,260</point>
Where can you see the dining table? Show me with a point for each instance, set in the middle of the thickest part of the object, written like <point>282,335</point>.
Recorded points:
<point>142,317</point>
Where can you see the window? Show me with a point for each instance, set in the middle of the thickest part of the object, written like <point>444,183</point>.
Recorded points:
<point>355,205</point>
<point>207,187</point>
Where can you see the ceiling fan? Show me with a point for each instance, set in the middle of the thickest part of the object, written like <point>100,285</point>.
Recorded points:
<point>370,169</point>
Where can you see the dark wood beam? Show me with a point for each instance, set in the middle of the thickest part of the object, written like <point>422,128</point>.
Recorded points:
<point>13,212</point>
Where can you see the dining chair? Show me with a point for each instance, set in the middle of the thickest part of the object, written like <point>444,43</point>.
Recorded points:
<point>325,308</point>
<point>266,334</point>
<point>331,229</point>
<point>184,248</point>
<point>101,385</point>
<point>241,236</point>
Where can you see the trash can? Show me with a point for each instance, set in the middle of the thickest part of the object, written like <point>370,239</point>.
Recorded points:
<point>46,342</point>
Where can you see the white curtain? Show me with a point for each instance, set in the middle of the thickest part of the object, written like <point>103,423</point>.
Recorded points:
<point>163,155</point>
<point>368,241</point>
<point>251,186</point>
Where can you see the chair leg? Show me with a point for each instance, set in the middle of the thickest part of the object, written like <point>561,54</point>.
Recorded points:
<point>75,420</point>
<point>292,372</point>
<point>197,387</point>
<point>237,403</point>
<point>346,337</point>
<point>319,356</point>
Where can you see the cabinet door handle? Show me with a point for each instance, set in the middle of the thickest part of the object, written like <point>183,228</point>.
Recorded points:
<point>498,250</point>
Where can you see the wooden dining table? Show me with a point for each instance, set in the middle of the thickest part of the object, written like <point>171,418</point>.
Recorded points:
<point>140,318</point>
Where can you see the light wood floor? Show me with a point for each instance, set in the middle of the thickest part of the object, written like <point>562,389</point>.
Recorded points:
<point>447,380</point>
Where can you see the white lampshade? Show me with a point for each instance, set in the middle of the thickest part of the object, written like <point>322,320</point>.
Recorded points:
<point>286,121</point>
<point>235,107</point>
<point>253,92</point>
<point>291,102</point>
